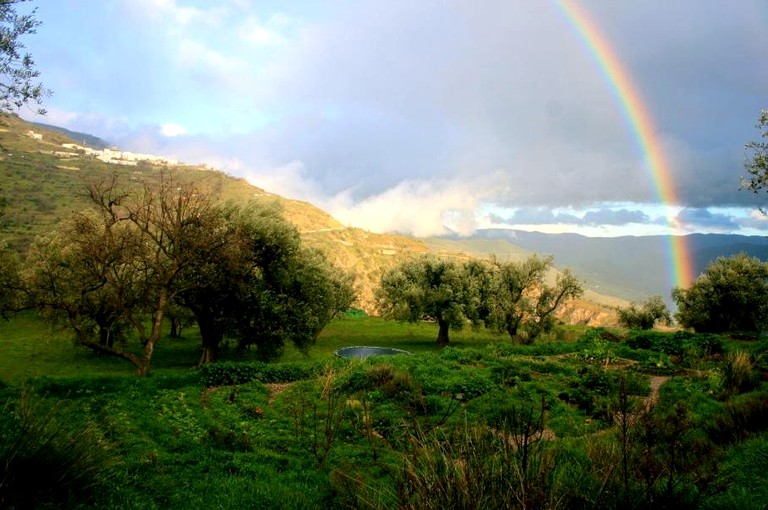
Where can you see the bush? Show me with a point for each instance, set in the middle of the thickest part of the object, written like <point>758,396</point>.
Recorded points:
<point>731,295</point>
<point>229,373</point>
<point>645,315</point>
<point>47,459</point>
<point>741,415</point>
<point>738,372</point>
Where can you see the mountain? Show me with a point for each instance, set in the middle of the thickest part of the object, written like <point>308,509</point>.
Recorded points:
<point>629,267</point>
<point>43,173</point>
<point>80,138</point>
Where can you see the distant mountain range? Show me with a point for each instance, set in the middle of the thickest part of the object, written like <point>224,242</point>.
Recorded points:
<point>628,267</point>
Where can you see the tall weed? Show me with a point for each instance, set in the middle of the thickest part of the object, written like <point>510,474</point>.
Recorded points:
<point>47,459</point>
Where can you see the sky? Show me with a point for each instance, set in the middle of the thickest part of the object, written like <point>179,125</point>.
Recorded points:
<point>428,117</point>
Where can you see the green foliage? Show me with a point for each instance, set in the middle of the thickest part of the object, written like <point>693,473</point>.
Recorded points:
<point>646,314</point>
<point>486,425</point>
<point>17,70</point>
<point>731,295</point>
<point>740,417</point>
<point>142,251</point>
<point>743,476</point>
<point>231,373</point>
<point>757,158</point>
<point>517,301</point>
<point>429,288</point>
<point>9,283</point>
<point>679,343</point>
<point>49,459</point>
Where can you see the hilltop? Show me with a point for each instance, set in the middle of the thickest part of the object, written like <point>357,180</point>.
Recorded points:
<point>43,173</point>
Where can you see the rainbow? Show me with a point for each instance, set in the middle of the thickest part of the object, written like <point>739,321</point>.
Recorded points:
<point>680,261</point>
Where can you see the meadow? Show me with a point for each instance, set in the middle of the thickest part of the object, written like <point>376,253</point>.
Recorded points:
<point>584,418</point>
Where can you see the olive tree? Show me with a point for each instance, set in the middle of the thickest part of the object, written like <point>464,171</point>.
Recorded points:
<point>730,295</point>
<point>645,315</point>
<point>18,73</point>
<point>116,265</point>
<point>429,288</point>
<point>144,251</point>
<point>757,158</point>
<point>262,288</point>
<point>521,303</point>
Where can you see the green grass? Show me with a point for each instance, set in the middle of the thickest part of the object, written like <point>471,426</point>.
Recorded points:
<point>172,443</point>
<point>372,331</point>
<point>33,348</point>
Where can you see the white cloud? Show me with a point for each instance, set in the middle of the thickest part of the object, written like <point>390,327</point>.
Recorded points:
<point>168,9</point>
<point>419,208</point>
<point>289,180</point>
<point>171,130</point>
<point>265,34</point>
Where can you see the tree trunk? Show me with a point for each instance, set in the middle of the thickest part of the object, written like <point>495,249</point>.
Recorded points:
<point>210,352</point>
<point>512,329</point>
<point>442,332</point>
<point>174,333</point>
<point>106,338</point>
<point>211,336</point>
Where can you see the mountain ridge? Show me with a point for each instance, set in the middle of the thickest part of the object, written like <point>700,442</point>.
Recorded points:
<point>628,267</point>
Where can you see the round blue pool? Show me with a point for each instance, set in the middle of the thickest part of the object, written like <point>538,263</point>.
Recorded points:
<point>362,352</point>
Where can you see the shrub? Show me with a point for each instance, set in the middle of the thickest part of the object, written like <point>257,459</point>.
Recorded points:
<point>738,372</point>
<point>740,416</point>
<point>478,467</point>
<point>229,373</point>
<point>645,315</point>
<point>731,295</point>
<point>666,343</point>
<point>47,459</point>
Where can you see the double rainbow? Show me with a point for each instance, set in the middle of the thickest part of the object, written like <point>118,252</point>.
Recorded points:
<point>680,262</point>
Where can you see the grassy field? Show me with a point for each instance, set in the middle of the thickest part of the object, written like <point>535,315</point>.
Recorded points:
<point>483,423</point>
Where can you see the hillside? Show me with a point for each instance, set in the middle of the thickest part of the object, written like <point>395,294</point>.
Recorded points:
<point>43,173</point>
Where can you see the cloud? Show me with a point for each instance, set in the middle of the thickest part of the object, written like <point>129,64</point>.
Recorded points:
<point>756,220</point>
<point>270,33</point>
<point>548,216</point>
<point>694,219</point>
<point>538,215</point>
<point>419,208</point>
<point>358,103</point>
<point>170,129</point>
<point>615,217</point>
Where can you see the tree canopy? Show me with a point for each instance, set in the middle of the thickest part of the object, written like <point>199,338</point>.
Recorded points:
<point>429,288</point>
<point>757,158</point>
<point>645,315</point>
<point>508,297</point>
<point>731,295</point>
<point>18,73</point>
<point>141,250</point>
<point>521,303</point>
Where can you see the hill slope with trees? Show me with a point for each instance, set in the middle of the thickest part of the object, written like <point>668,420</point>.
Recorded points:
<point>44,175</point>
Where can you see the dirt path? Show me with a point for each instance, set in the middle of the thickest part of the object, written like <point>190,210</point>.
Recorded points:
<point>656,382</point>
<point>275,389</point>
